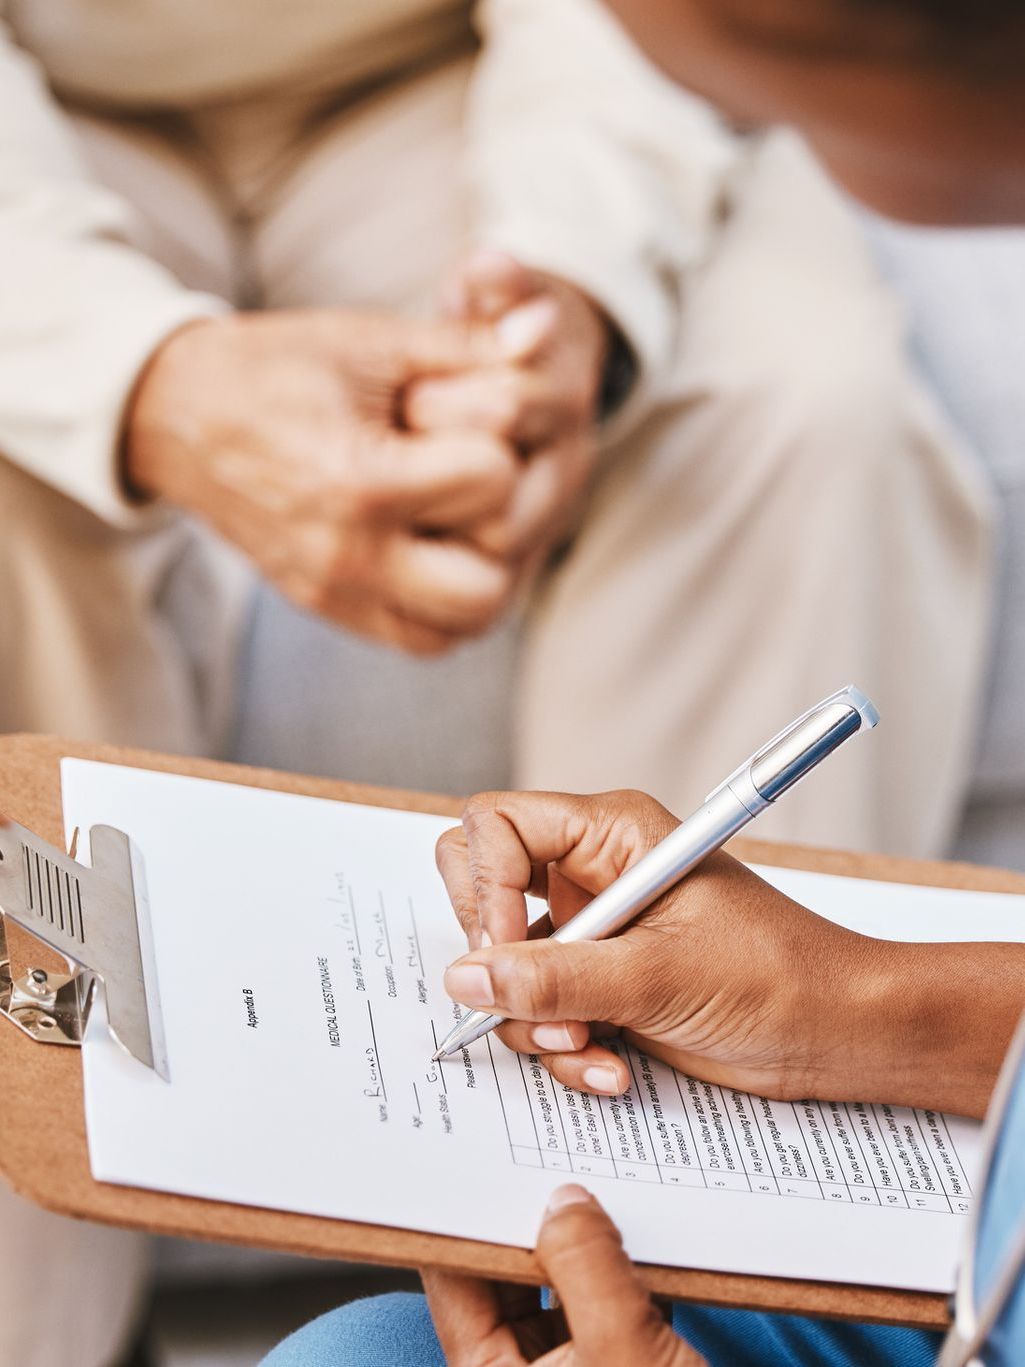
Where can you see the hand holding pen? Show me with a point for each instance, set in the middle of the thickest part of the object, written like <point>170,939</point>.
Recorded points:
<point>709,971</point>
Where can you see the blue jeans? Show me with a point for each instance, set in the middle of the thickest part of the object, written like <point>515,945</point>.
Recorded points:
<point>396,1331</point>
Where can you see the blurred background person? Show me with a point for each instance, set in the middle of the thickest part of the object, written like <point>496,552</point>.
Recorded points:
<point>776,465</point>
<point>199,205</point>
<point>918,107</point>
<point>160,173</point>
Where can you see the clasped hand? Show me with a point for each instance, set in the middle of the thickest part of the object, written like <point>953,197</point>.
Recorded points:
<point>402,478</point>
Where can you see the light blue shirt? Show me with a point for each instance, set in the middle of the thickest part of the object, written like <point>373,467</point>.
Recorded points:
<point>1003,1216</point>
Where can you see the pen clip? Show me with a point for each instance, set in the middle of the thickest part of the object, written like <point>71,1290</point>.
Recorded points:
<point>851,695</point>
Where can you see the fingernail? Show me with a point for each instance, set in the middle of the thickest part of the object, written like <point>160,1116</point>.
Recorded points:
<point>485,939</point>
<point>526,327</point>
<point>601,1079</point>
<point>569,1195</point>
<point>470,985</point>
<point>552,1039</point>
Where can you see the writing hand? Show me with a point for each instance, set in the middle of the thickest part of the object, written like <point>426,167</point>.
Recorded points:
<point>723,978</point>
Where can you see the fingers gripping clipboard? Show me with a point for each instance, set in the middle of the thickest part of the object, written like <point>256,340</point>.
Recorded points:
<point>74,933</point>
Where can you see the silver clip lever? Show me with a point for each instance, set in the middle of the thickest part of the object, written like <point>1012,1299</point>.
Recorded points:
<point>97,919</point>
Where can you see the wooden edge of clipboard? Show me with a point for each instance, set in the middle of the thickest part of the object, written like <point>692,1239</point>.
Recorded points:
<point>43,1152</point>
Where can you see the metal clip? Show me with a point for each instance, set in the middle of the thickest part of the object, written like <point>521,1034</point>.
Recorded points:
<point>43,1004</point>
<point>97,919</point>
<point>850,697</point>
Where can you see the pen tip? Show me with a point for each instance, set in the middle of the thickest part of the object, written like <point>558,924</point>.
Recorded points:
<point>436,1057</point>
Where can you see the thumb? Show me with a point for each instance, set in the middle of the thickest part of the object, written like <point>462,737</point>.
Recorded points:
<point>448,347</point>
<point>487,284</point>
<point>612,1319</point>
<point>546,980</point>
<point>493,287</point>
<point>422,349</point>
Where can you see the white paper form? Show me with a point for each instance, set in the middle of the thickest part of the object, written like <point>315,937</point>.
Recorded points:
<point>300,946</point>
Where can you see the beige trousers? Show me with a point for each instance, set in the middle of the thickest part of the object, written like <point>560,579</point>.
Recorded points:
<point>797,517</point>
<point>794,516</point>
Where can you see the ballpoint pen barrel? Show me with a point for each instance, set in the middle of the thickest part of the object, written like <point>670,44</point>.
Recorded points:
<point>712,824</point>
<point>770,772</point>
<point>723,813</point>
<point>719,818</point>
<point>472,1026</point>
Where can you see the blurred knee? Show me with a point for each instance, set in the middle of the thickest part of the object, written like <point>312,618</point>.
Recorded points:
<point>816,416</point>
<point>790,339</point>
<point>382,1331</point>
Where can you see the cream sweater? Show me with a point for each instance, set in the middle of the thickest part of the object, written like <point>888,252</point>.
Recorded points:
<point>581,159</point>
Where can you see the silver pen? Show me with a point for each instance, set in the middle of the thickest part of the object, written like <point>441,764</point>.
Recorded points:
<point>758,782</point>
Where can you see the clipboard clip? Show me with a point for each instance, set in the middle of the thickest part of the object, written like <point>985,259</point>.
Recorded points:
<point>96,918</point>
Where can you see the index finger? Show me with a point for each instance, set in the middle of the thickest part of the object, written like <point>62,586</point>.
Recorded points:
<point>543,503</point>
<point>506,843</point>
<point>441,480</point>
<point>469,1320</point>
<point>523,406</point>
<point>512,837</point>
<point>463,879</point>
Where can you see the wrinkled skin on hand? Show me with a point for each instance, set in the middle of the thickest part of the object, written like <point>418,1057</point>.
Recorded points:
<point>284,432</point>
<point>544,403</point>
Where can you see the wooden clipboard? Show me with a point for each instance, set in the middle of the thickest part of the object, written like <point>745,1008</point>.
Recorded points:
<point>43,1153</point>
